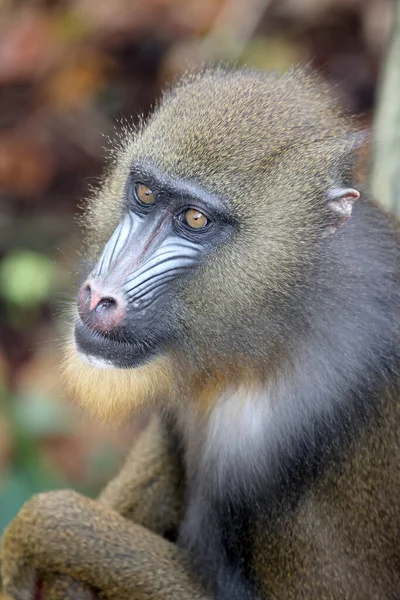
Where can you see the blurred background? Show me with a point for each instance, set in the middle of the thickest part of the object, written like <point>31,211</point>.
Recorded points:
<point>69,71</point>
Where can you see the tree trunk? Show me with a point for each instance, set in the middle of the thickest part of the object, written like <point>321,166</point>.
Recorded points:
<point>385,175</point>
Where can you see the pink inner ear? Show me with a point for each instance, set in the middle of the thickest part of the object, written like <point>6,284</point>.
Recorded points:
<point>341,200</point>
<point>350,196</point>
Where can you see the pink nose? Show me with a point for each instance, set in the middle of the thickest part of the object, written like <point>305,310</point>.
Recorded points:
<point>99,309</point>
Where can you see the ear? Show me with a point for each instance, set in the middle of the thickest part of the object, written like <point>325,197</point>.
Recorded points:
<point>341,196</point>
<point>339,204</point>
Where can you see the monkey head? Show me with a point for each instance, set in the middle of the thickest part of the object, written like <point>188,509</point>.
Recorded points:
<point>204,231</point>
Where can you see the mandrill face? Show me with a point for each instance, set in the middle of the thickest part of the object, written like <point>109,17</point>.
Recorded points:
<point>209,219</point>
<point>128,306</point>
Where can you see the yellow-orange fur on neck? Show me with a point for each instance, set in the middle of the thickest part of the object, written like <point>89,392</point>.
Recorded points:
<point>114,394</point>
<point>208,387</point>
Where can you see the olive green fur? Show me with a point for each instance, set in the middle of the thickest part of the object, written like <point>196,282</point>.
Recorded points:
<point>149,492</point>
<point>249,138</point>
<point>342,541</point>
<point>271,147</point>
<point>309,555</point>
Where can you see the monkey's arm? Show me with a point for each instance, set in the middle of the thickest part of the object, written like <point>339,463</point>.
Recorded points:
<point>65,533</point>
<point>148,490</point>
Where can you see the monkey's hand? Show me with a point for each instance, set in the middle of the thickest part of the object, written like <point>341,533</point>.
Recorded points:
<point>64,533</point>
<point>20,567</point>
<point>151,472</point>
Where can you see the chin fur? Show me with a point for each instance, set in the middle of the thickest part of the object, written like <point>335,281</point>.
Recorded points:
<point>114,394</point>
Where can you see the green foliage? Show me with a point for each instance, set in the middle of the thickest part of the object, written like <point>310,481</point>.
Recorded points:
<point>38,416</point>
<point>26,278</point>
<point>29,472</point>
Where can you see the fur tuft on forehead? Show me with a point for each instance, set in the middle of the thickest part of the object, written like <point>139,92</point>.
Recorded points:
<point>241,114</point>
<point>227,131</point>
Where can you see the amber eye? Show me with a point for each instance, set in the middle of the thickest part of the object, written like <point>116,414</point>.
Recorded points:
<point>144,193</point>
<point>195,219</point>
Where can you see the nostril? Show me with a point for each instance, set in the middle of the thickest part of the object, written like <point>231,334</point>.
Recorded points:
<point>106,304</point>
<point>100,308</point>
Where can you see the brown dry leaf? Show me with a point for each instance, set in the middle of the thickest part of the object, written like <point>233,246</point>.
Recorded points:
<point>27,47</point>
<point>25,164</point>
<point>74,84</point>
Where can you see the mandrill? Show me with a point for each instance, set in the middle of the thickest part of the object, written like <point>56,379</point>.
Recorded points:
<point>243,286</point>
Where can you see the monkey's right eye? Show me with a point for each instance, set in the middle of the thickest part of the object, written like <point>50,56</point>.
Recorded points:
<point>144,194</point>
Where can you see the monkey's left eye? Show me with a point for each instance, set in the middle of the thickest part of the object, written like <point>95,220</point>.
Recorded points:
<point>144,194</point>
<point>195,219</point>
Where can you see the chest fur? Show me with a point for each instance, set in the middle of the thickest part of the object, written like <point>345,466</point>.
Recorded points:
<point>228,439</point>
